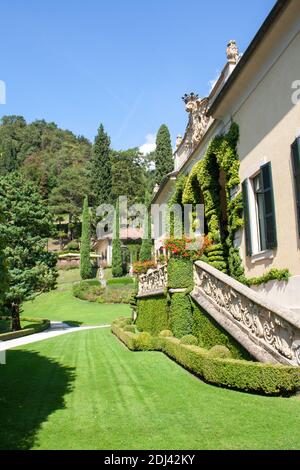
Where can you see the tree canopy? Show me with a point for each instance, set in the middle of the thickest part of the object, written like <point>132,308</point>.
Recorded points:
<point>25,226</point>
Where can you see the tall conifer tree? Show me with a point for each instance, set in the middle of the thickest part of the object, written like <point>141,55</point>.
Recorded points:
<point>100,169</point>
<point>164,163</point>
<point>85,249</point>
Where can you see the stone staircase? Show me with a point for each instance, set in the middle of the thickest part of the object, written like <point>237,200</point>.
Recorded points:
<point>269,332</point>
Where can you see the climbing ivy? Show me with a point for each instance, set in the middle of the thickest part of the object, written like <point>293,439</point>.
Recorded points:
<point>220,155</point>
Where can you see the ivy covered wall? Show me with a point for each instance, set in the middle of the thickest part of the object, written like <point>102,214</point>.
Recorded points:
<point>202,186</point>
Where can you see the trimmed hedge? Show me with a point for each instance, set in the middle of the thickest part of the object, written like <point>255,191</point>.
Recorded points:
<point>242,375</point>
<point>41,325</point>
<point>189,339</point>
<point>248,376</point>
<point>210,334</point>
<point>152,314</point>
<point>135,341</point>
<point>180,273</point>
<point>181,320</point>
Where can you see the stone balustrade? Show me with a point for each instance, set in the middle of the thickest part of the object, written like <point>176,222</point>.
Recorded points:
<point>269,332</point>
<point>154,282</point>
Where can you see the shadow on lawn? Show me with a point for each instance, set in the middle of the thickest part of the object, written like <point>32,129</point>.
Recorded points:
<point>73,323</point>
<point>31,388</point>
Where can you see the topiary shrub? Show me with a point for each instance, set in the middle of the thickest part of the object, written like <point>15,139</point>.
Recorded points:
<point>144,342</point>
<point>122,322</point>
<point>210,333</point>
<point>220,351</point>
<point>73,246</point>
<point>180,273</point>
<point>166,334</point>
<point>181,320</point>
<point>130,328</point>
<point>152,314</point>
<point>189,340</point>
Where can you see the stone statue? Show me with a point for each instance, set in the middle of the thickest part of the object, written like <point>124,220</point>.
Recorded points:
<point>178,141</point>
<point>232,52</point>
<point>198,120</point>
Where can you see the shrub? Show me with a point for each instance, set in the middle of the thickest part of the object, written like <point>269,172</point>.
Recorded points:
<point>144,341</point>
<point>210,333</point>
<point>72,246</point>
<point>220,351</point>
<point>120,281</point>
<point>84,291</point>
<point>248,376</point>
<point>180,273</point>
<point>189,339</point>
<point>124,322</point>
<point>166,334</point>
<point>142,267</point>
<point>152,314</point>
<point>181,315</point>
<point>130,328</point>
<point>116,296</point>
<point>186,248</point>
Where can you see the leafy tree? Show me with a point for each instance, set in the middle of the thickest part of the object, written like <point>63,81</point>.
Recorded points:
<point>26,226</point>
<point>100,169</point>
<point>85,249</point>
<point>129,175</point>
<point>67,197</point>
<point>117,264</point>
<point>163,154</point>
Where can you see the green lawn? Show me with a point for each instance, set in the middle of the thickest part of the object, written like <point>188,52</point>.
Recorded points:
<point>87,391</point>
<point>61,305</point>
<point>67,276</point>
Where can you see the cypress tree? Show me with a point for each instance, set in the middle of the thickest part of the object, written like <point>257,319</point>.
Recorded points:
<point>85,259</point>
<point>117,265</point>
<point>164,163</point>
<point>100,169</point>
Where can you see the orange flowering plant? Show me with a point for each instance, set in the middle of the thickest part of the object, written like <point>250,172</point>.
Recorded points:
<point>141,267</point>
<point>187,248</point>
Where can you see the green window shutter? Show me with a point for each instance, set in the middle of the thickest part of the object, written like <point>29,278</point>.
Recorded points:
<point>296,168</point>
<point>247,218</point>
<point>270,219</point>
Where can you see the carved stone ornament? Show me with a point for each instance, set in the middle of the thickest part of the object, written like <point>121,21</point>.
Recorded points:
<point>232,52</point>
<point>198,120</point>
<point>257,320</point>
<point>155,280</point>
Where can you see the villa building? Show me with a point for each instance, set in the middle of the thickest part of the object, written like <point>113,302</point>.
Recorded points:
<point>259,91</point>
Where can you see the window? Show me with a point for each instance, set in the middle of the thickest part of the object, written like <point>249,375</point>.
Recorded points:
<point>259,212</point>
<point>296,168</point>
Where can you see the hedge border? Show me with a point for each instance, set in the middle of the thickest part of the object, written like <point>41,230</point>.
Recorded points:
<point>235,374</point>
<point>42,325</point>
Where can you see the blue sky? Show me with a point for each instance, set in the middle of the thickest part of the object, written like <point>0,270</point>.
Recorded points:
<point>125,63</point>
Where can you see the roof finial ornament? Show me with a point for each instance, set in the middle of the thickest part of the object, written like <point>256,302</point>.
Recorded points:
<point>232,52</point>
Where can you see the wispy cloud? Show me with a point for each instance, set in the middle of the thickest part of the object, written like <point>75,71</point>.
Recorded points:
<point>150,145</point>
